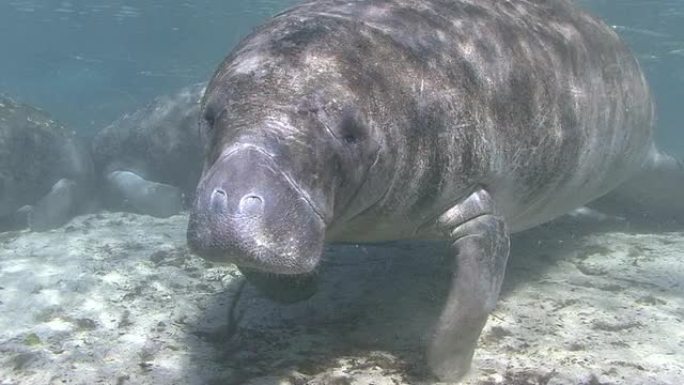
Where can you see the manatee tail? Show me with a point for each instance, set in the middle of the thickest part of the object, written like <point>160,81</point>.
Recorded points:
<point>654,195</point>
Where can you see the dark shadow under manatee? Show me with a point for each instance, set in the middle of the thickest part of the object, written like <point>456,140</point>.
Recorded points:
<point>370,298</point>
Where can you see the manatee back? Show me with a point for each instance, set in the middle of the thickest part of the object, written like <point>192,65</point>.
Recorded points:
<point>538,101</point>
<point>159,142</point>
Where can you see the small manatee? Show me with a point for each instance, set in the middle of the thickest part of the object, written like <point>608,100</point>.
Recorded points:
<point>150,159</point>
<point>45,170</point>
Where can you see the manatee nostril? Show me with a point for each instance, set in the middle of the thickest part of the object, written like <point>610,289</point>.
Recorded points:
<point>251,204</point>
<point>219,199</point>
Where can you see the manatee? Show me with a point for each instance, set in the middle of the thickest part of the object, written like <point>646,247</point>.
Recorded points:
<point>150,161</point>
<point>653,198</point>
<point>380,120</point>
<point>45,170</point>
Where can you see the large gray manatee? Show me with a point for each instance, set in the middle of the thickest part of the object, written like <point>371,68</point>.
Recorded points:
<point>149,161</point>
<point>379,120</point>
<point>45,170</point>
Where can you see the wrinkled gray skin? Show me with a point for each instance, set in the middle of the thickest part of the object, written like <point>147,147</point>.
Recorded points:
<point>149,161</point>
<point>381,120</point>
<point>45,171</point>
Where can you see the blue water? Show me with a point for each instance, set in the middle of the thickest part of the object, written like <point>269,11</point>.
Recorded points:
<point>88,61</point>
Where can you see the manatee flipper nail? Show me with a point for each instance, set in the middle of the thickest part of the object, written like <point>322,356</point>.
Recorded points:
<point>481,242</point>
<point>146,197</point>
<point>56,208</point>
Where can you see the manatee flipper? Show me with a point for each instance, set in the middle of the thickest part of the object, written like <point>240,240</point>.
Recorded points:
<point>481,242</point>
<point>56,208</point>
<point>280,287</point>
<point>146,197</point>
<point>656,194</point>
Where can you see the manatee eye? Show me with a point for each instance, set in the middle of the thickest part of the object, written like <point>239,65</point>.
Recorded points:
<point>212,114</point>
<point>351,130</point>
<point>209,119</point>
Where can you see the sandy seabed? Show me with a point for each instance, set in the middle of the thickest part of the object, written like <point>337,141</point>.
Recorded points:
<point>118,299</point>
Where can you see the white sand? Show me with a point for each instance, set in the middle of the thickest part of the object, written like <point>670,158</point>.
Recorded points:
<point>117,299</point>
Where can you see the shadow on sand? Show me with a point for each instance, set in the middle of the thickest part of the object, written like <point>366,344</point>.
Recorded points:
<point>375,305</point>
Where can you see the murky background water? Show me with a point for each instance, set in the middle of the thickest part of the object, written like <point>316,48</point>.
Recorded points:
<point>88,61</point>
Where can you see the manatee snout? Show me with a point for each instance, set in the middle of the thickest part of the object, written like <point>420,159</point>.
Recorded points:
<point>248,211</point>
